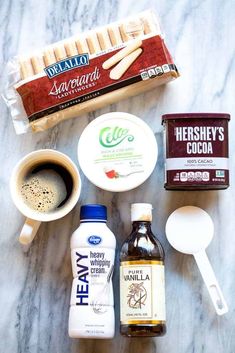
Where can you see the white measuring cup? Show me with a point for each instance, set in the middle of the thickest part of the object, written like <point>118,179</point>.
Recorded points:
<point>190,230</point>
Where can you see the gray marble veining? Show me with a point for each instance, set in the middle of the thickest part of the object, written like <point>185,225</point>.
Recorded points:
<point>35,283</point>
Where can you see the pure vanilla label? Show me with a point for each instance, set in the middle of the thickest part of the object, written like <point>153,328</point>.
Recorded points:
<point>142,292</point>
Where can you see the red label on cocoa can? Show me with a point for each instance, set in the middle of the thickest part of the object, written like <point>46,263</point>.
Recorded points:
<point>196,152</point>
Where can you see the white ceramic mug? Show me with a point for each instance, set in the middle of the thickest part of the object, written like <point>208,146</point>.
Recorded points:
<point>33,217</point>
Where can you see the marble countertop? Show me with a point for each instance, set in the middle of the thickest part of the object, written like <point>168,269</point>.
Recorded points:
<point>35,283</point>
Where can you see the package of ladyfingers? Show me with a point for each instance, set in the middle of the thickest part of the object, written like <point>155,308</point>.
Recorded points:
<point>87,71</point>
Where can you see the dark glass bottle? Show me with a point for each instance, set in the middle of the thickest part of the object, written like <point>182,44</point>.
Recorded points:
<point>142,289</point>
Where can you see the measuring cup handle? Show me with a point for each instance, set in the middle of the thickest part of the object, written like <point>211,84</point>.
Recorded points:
<point>210,280</point>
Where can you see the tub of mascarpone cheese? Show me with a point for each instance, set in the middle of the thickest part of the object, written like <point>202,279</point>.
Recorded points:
<point>196,151</point>
<point>117,151</point>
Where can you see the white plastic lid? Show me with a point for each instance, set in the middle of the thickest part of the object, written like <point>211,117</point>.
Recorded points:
<point>141,212</point>
<point>117,151</point>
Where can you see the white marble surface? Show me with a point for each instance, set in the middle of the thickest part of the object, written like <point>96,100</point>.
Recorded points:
<point>35,284</point>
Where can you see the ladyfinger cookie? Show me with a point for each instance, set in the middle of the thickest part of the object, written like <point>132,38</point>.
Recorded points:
<point>49,56</point>
<point>60,52</point>
<point>93,43</point>
<point>115,36</point>
<point>104,40</point>
<point>26,69</point>
<point>134,28</point>
<point>135,44</point>
<point>118,71</point>
<point>71,48</point>
<point>38,64</point>
<point>150,25</point>
<point>123,33</point>
<point>82,45</point>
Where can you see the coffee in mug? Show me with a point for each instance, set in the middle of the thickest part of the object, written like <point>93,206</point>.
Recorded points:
<point>45,186</point>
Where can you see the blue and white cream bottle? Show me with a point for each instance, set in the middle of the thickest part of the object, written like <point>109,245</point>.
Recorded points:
<point>92,253</point>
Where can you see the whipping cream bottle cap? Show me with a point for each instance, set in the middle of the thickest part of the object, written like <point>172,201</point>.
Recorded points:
<point>117,151</point>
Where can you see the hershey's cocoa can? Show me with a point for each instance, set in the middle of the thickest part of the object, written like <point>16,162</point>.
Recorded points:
<point>197,151</point>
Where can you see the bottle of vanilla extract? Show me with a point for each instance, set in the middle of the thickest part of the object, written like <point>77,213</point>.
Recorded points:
<point>142,288</point>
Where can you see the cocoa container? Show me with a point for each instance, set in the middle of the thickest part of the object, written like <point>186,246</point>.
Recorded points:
<point>197,151</point>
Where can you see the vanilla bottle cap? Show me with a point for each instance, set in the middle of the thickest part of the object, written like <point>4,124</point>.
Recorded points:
<point>141,212</point>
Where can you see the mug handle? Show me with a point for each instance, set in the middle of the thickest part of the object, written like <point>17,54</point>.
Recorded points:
<point>29,231</point>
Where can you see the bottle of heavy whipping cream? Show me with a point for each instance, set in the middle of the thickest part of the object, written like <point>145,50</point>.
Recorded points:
<point>92,253</point>
<point>142,289</point>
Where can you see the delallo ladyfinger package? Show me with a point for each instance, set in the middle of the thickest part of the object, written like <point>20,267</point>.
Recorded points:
<point>88,71</point>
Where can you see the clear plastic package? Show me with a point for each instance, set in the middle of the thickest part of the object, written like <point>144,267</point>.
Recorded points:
<point>87,72</point>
